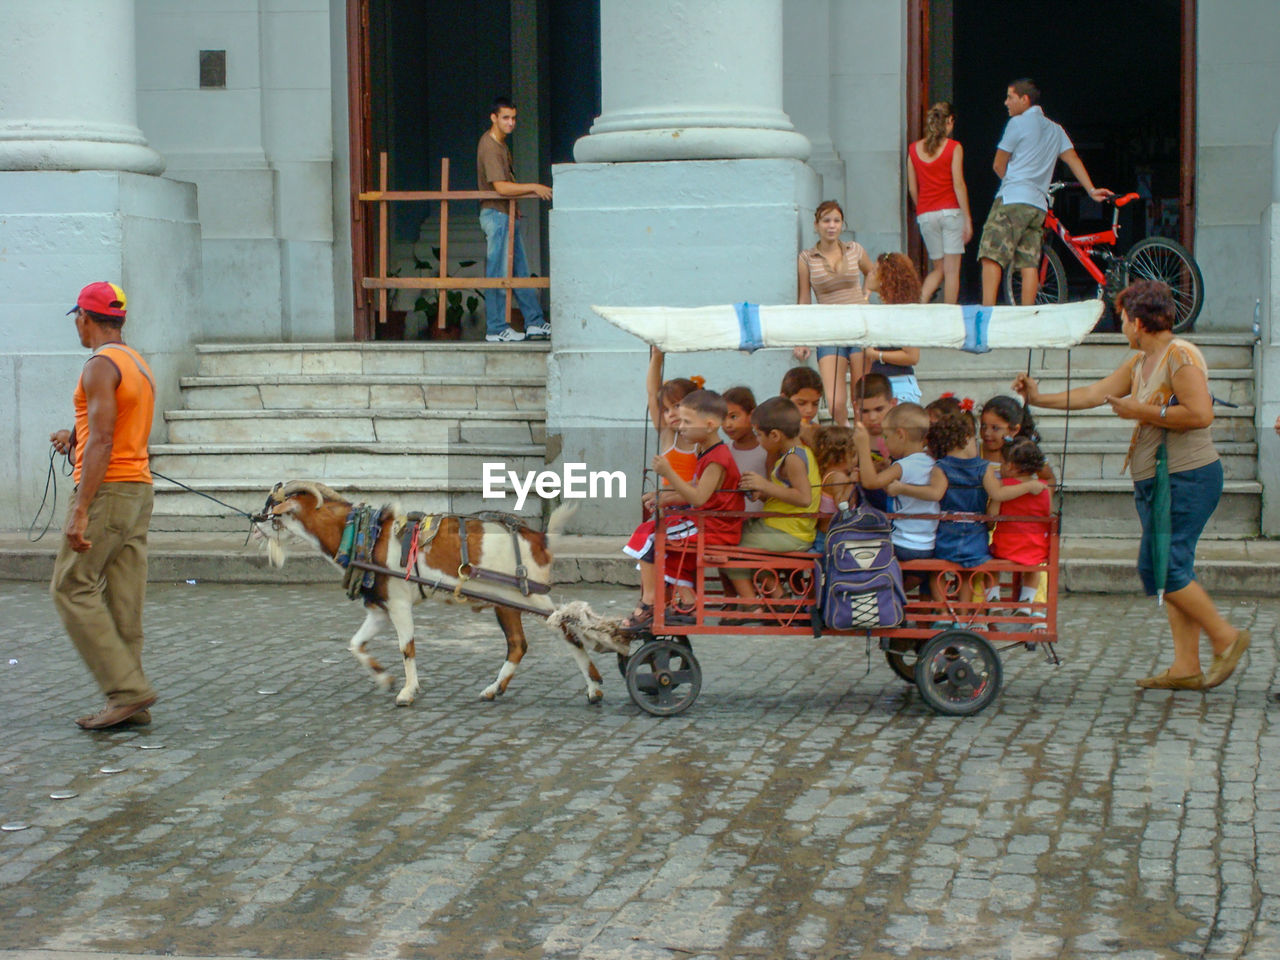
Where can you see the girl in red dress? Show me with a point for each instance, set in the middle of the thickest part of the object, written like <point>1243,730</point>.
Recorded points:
<point>1023,541</point>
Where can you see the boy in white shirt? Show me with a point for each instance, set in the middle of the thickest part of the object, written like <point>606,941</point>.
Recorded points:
<point>905,427</point>
<point>1029,149</point>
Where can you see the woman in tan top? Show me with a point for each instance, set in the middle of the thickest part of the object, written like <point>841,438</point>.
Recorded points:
<point>833,271</point>
<point>1165,390</point>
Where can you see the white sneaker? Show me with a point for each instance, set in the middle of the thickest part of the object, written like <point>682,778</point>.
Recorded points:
<point>538,331</point>
<point>506,336</point>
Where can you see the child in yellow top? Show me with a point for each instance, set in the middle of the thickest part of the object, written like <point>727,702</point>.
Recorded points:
<point>793,489</point>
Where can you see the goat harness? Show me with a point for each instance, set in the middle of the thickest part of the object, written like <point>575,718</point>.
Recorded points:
<point>417,531</point>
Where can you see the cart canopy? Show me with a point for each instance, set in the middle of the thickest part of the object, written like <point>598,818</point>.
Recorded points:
<point>750,326</point>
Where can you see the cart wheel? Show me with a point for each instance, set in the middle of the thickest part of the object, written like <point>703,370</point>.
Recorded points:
<point>663,677</point>
<point>903,656</point>
<point>958,673</point>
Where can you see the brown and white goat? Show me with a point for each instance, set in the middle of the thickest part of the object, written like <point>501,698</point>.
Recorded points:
<point>317,515</point>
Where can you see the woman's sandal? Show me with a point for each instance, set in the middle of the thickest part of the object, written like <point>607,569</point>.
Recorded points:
<point>1162,681</point>
<point>1225,663</point>
<point>640,620</point>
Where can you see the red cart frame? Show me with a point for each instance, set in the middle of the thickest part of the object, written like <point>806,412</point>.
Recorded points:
<point>948,648</point>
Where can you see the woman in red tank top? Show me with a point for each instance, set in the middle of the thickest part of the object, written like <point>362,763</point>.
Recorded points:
<point>935,179</point>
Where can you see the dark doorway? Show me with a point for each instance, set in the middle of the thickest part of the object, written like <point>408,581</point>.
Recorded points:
<point>1111,73</point>
<point>425,73</point>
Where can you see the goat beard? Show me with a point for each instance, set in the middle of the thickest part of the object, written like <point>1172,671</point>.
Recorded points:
<point>275,552</point>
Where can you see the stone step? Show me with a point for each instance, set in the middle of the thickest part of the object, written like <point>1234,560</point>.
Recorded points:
<point>1230,425</point>
<point>1232,385</point>
<point>331,391</point>
<point>284,461</point>
<point>179,509</point>
<point>473,359</point>
<point>1098,461</point>
<point>1104,508</point>
<point>1104,351</point>
<point>358,426</point>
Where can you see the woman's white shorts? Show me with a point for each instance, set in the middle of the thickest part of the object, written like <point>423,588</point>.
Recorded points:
<point>942,232</point>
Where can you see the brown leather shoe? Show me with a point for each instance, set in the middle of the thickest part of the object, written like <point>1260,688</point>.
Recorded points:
<point>140,719</point>
<point>114,714</point>
<point>1162,681</point>
<point>1225,663</point>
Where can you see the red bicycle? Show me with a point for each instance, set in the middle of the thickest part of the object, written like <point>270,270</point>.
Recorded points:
<point>1153,258</point>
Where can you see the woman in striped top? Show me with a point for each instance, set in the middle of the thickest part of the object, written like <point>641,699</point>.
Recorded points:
<point>834,271</point>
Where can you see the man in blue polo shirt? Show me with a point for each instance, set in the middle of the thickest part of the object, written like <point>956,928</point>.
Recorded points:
<point>1030,148</point>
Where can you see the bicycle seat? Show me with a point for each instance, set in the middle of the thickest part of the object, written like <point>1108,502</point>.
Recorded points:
<point>1121,201</point>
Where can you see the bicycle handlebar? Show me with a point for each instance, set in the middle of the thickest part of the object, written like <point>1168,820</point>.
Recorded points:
<point>1114,198</point>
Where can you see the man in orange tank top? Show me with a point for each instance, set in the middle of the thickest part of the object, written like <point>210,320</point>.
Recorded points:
<point>100,576</point>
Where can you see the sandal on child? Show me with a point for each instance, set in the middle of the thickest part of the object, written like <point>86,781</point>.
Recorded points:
<point>674,616</point>
<point>640,620</point>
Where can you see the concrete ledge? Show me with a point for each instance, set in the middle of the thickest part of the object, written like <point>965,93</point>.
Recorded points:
<point>1089,565</point>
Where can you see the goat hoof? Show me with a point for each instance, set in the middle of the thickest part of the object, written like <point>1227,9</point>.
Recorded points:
<point>489,695</point>
<point>595,698</point>
<point>404,701</point>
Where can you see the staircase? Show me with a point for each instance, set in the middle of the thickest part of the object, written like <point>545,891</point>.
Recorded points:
<point>383,421</point>
<point>415,421</point>
<point>1099,499</point>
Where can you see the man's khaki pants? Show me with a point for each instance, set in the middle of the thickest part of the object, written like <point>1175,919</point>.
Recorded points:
<point>99,594</point>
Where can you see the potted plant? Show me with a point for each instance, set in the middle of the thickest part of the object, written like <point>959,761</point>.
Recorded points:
<point>459,304</point>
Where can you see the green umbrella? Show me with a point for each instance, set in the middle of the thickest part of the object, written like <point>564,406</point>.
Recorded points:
<point>1161,522</point>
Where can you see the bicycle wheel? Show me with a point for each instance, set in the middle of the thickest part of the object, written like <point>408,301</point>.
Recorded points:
<point>1159,258</point>
<point>1053,281</point>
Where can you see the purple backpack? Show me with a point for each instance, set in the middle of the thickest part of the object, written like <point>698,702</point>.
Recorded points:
<point>863,586</point>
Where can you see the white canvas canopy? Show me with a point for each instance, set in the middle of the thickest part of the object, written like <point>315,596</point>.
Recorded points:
<point>749,327</point>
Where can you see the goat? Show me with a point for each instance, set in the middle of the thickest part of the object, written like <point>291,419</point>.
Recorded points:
<point>317,515</point>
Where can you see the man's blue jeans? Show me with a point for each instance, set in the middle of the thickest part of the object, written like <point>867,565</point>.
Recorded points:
<point>494,224</point>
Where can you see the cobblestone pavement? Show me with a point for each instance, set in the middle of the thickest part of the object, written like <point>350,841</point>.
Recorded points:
<point>804,807</point>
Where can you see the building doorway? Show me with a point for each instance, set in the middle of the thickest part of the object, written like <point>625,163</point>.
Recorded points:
<point>1120,78</point>
<point>423,76</point>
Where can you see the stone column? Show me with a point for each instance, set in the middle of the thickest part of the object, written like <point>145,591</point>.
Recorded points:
<point>1267,358</point>
<point>68,88</point>
<point>808,38</point>
<point>691,80</point>
<point>80,200</point>
<point>707,208</point>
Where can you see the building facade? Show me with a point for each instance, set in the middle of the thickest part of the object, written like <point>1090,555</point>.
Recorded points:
<point>207,154</point>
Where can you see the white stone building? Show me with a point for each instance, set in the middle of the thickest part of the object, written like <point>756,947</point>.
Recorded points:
<point>205,153</point>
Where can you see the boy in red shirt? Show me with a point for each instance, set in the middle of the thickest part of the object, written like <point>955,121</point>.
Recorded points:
<point>714,487</point>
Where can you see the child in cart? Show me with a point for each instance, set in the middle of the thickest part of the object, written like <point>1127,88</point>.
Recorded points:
<point>1022,541</point>
<point>803,387</point>
<point>664,398</point>
<point>838,464</point>
<point>793,489</point>
<point>905,429</point>
<point>747,452</point>
<point>714,487</point>
<point>875,400</point>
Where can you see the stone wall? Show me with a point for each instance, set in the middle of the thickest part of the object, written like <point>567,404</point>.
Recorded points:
<point>1238,65</point>
<point>260,152</point>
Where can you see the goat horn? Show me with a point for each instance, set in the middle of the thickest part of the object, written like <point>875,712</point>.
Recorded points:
<point>313,487</point>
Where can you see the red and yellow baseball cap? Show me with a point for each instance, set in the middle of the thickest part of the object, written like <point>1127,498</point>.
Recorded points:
<point>101,297</point>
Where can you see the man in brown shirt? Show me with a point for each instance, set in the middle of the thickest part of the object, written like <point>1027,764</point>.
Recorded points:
<point>494,172</point>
